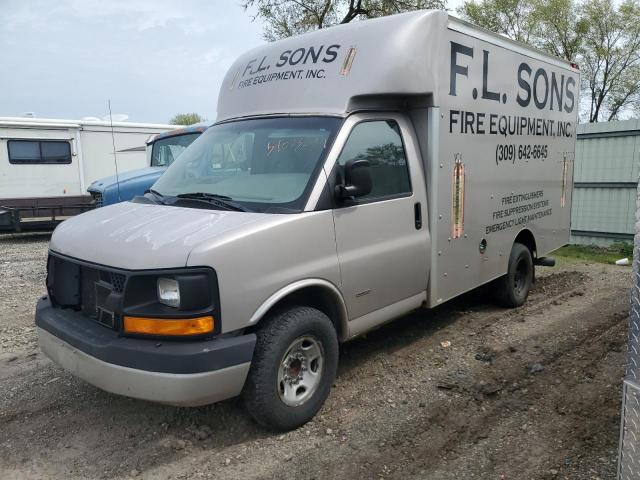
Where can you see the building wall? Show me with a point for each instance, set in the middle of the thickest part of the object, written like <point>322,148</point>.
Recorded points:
<point>606,170</point>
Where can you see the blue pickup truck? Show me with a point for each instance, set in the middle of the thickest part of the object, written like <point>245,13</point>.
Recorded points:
<point>162,150</point>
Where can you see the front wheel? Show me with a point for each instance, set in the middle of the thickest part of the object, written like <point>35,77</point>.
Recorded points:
<point>512,290</point>
<point>294,365</point>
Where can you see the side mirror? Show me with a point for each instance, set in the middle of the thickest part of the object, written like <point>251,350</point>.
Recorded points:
<point>357,179</point>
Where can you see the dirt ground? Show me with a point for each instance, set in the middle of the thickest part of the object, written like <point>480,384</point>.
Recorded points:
<point>531,393</point>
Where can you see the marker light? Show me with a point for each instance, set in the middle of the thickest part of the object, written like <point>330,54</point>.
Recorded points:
<point>169,292</point>
<point>164,326</point>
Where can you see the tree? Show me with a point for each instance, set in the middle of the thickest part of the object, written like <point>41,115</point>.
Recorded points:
<point>512,18</point>
<point>186,119</point>
<point>611,58</point>
<point>602,39</point>
<point>561,28</point>
<point>556,26</point>
<point>284,18</point>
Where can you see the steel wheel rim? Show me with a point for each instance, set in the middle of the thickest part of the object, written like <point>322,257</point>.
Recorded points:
<point>300,370</point>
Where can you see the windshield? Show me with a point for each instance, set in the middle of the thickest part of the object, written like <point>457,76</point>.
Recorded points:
<point>166,150</point>
<point>264,164</point>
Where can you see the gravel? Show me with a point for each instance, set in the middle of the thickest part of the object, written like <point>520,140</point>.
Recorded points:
<point>404,406</point>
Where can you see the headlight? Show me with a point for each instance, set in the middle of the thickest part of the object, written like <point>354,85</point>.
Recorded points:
<point>169,292</point>
<point>184,301</point>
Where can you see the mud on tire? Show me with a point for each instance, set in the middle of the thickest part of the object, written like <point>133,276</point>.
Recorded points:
<point>293,368</point>
<point>512,290</point>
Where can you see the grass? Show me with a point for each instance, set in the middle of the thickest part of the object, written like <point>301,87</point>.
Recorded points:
<point>595,254</point>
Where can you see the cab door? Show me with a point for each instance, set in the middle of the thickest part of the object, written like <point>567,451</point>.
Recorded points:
<point>382,238</point>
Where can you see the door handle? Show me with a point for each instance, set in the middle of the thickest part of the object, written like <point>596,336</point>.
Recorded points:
<point>417,215</point>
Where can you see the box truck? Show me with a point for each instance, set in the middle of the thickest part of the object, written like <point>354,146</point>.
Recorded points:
<point>46,165</point>
<point>162,150</point>
<point>354,174</point>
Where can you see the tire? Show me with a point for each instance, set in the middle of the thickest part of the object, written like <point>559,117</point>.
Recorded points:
<point>281,391</point>
<point>512,290</point>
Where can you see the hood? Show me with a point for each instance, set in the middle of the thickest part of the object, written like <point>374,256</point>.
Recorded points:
<point>106,182</point>
<point>142,236</point>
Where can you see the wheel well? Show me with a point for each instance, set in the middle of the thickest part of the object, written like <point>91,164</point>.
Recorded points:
<point>316,297</point>
<point>526,238</point>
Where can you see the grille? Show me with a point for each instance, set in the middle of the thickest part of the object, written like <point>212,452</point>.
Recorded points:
<point>117,282</point>
<point>94,287</point>
<point>97,198</point>
<point>88,279</point>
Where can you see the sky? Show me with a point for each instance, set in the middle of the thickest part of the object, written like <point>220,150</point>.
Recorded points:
<point>151,58</point>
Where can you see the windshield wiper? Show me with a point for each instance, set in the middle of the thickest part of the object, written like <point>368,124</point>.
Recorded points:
<point>158,196</point>
<point>222,201</point>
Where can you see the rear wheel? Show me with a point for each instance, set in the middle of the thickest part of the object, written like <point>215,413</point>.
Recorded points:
<point>294,365</point>
<point>512,290</point>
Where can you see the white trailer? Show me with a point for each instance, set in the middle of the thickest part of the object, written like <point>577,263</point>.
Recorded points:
<point>46,165</point>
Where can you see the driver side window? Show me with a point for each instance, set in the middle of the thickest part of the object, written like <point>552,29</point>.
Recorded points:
<point>380,143</point>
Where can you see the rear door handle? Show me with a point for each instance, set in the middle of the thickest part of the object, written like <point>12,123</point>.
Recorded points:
<point>417,215</point>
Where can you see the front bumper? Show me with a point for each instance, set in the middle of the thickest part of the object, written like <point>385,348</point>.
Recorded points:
<point>184,373</point>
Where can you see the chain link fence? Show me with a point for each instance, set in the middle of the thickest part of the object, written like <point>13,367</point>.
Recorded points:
<point>629,456</point>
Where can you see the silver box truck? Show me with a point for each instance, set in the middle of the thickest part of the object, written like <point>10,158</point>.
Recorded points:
<point>354,174</point>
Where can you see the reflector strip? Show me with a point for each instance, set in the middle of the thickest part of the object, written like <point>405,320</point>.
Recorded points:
<point>348,61</point>
<point>563,193</point>
<point>457,201</point>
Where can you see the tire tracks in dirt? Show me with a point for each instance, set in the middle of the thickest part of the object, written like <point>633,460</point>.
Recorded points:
<point>403,406</point>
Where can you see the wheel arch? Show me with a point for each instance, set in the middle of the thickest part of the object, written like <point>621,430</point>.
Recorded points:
<point>313,292</point>
<point>526,237</point>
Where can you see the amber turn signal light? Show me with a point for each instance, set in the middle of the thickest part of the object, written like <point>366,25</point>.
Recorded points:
<point>168,326</point>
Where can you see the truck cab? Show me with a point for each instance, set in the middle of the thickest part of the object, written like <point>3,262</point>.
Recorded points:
<point>347,181</point>
<point>162,150</point>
